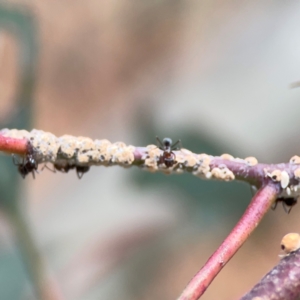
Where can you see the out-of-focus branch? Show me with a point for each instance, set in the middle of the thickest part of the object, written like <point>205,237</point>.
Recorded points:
<point>45,287</point>
<point>282,282</point>
<point>258,207</point>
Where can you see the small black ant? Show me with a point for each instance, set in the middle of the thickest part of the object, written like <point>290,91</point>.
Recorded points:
<point>168,157</point>
<point>80,170</point>
<point>63,168</point>
<point>28,165</point>
<point>287,203</point>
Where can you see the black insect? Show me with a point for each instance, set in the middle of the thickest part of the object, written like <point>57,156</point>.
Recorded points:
<point>168,157</point>
<point>64,168</point>
<point>80,170</point>
<point>287,203</point>
<point>27,165</point>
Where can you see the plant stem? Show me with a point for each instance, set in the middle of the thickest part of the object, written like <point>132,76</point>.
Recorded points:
<point>12,145</point>
<point>257,208</point>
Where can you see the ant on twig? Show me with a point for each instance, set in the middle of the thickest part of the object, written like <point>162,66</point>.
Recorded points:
<point>80,170</point>
<point>287,203</point>
<point>28,165</point>
<point>168,157</point>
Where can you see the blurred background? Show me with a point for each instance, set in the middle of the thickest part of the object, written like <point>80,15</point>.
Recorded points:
<point>215,74</point>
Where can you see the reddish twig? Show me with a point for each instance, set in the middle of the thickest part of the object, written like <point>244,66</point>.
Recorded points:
<point>13,145</point>
<point>258,207</point>
<point>278,181</point>
<point>69,152</point>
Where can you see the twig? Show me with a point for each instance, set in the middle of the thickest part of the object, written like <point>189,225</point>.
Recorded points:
<point>258,207</point>
<point>68,152</point>
<point>12,145</point>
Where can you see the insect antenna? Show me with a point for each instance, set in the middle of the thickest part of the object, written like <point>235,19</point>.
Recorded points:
<point>178,147</point>
<point>160,146</point>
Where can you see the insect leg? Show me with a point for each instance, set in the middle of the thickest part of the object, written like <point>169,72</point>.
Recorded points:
<point>274,205</point>
<point>80,170</point>
<point>47,167</point>
<point>285,207</point>
<point>16,161</point>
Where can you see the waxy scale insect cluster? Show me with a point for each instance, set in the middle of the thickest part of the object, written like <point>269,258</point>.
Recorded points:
<point>69,152</point>
<point>168,158</point>
<point>289,183</point>
<point>80,153</point>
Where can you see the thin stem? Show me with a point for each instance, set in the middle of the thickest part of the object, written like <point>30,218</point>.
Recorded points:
<point>258,207</point>
<point>12,145</point>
